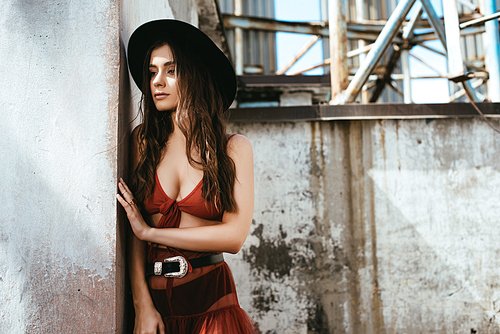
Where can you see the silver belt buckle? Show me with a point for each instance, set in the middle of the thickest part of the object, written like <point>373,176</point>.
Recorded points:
<point>183,267</point>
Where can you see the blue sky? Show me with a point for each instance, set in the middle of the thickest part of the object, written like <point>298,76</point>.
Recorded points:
<point>423,90</point>
<point>288,43</point>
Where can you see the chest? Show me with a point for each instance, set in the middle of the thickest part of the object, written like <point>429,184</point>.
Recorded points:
<point>175,174</point>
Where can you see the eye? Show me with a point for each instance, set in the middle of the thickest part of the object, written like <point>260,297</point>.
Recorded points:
<point>152,74</point>
<point>171,71</point>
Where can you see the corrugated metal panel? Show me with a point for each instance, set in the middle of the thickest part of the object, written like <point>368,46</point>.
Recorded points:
<point>259,47</point>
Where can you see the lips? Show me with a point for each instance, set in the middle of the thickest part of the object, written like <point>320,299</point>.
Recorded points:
<point>161,95</point>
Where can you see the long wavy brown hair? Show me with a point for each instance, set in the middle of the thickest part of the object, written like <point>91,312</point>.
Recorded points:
<point>200,117</point>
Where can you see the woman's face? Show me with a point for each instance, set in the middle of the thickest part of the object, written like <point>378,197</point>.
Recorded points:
<point>163,79</point>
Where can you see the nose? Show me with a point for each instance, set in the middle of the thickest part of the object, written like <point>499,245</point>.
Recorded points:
<point>158,80</point>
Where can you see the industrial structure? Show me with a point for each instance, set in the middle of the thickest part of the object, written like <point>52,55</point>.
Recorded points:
<point>358,34</point>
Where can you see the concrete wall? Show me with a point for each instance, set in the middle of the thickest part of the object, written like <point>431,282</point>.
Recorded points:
<point>59,105</point>
<point>373,227</point>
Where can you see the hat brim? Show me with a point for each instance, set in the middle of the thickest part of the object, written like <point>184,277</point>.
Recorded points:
<point>182,33</point>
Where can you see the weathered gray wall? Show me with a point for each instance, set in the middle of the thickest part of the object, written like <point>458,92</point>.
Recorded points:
<point>373,227</point>
<point>59,105</point>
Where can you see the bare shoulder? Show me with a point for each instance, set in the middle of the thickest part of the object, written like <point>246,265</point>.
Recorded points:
<point>239,145</point>
<point>239,141</point>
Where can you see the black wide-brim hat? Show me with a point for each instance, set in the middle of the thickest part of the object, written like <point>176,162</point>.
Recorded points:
<point>189,36</point>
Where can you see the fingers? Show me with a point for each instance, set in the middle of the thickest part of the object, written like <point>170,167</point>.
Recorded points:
<point>126,194</point>
<point>124,185</point>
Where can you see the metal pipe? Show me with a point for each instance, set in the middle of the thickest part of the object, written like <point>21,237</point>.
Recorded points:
<point>405,66</point>
<point>479,20</point>
<point>452,30</point>
<point>470,31</point>
<point>338,47</point>
<point>461,92</point>
<point>432,49</point>
<point>360,17</point>
<point>359,51</point>
<point>408,31</point>
<point>492,52</point>
<point>239,55</point>
<point>456,68</point>
<point>298,55</point>
<point>434,21</point>
<point>266,24</point>
<point>394,54</point>
<point>468,4</point>
<point>325,62</point>
<point>325,40</point>
<point>380,46</point>
<point>396,89</point>
<point>428,65</point>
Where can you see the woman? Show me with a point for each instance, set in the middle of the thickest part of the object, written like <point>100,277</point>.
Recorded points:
<point>192,184</point>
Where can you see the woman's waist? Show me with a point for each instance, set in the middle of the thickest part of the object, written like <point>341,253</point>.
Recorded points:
<point>162,252</point>
<point>159,220</point>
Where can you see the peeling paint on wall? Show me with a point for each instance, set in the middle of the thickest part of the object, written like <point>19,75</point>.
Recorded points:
<point>270,257</point>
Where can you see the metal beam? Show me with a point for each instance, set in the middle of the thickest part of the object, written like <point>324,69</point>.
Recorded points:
<point>298,55</point>
<point>338,47</point>
<point>239,55</point>
<point>420,38</point>
<point>456,71</point>
<point>408,30</point>
<point>468,4</point>
<point>259,23</point>
<point>370,29</point>
<point>434,21</point>
<point>308,28</point>
<point>381,83</point>
<point>405,67</point>
<point>408,33</point>
<point>481,20</point>
<point>372,58</point>
<point>461,92</point>
<point>375,111</point>
<point>453,32</point>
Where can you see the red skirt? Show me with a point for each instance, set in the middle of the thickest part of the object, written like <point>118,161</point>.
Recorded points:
<point>204,301</point>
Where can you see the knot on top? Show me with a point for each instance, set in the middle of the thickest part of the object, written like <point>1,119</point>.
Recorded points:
<point>171,215</point>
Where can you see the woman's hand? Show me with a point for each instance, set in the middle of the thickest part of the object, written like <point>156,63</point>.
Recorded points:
<point>148,322</point>
<point>127,200</point>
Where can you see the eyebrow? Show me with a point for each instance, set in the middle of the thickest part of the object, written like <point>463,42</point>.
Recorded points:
<point>168,63</point>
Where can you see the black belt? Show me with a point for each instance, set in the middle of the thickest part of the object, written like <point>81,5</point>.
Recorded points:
<point>177,266</point>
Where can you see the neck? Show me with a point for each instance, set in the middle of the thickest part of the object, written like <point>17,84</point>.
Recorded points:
<point>176,133</point>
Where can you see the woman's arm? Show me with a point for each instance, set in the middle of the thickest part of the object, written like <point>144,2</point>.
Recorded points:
<point>230,234</point>
<point>147,320</point>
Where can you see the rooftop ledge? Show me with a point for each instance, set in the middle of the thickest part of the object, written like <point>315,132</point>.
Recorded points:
<point>325,112</point>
